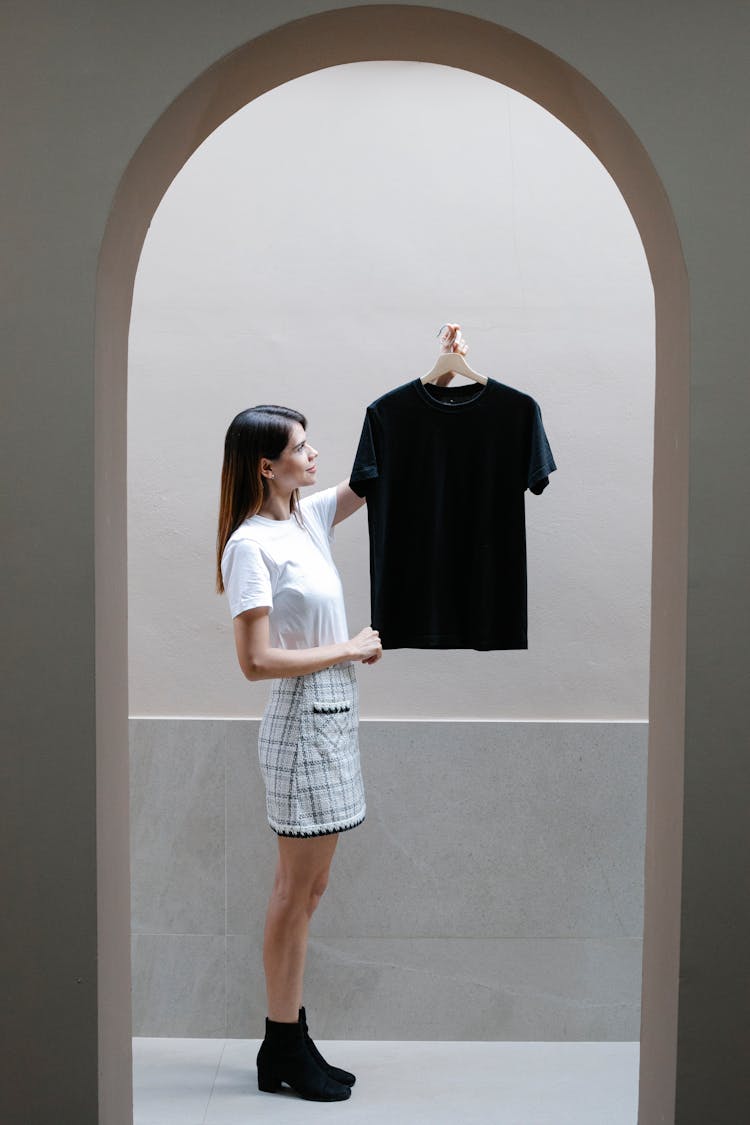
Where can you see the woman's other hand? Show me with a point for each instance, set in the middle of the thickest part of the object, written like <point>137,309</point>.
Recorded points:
<point>366,646</point>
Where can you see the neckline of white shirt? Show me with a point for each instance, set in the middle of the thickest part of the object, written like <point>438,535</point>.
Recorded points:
<point>267,519</point>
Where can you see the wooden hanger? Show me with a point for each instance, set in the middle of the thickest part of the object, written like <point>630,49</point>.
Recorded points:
<point>452,362</point>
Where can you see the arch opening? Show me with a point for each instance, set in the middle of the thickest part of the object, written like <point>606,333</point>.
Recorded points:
<point>419,35</point>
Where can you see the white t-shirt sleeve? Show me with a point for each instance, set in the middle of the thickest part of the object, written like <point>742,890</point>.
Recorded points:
<point>321,507</point>
<point>247,581</point>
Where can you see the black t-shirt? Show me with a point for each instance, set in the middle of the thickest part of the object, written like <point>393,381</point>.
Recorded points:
<point>444,471</point>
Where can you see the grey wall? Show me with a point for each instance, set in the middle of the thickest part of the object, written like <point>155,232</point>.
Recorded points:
<point>84,85</point>
<point>494,891</point>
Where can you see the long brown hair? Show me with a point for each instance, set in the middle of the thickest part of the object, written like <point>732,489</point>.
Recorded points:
<point>261,431</point>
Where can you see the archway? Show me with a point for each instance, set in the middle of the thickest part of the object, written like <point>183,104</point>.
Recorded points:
<point>421,35</point>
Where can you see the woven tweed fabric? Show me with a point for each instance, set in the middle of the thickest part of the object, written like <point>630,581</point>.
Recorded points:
<point>309,753</point>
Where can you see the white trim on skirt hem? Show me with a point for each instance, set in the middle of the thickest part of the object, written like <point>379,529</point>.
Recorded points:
<point>319,829</point>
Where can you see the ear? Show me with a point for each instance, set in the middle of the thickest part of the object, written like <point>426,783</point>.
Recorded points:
<point>266,469</point>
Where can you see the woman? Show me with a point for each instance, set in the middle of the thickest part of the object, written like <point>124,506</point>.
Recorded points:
<point>274,562</point>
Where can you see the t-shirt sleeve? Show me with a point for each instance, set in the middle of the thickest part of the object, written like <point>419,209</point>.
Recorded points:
<point>541,461</point>
<point>247,581</point>
<point>321,507</point>
<point>365,468</point>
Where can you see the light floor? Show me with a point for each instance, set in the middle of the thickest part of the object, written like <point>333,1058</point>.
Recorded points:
<point>214,1082</point>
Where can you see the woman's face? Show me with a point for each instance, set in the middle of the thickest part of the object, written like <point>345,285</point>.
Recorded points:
<point>295,466</point>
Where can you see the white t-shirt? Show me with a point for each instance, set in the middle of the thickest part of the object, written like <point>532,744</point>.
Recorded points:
<point>291,570</point>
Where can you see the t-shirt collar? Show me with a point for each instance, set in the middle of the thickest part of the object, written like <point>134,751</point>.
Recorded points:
<point>451,399</point>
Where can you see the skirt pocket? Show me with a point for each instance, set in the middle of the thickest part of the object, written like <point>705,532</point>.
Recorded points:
<point>333,727</point>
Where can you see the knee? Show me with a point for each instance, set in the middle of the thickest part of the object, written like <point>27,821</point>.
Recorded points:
<point>317,891</point>
<point>287,896</point>
<point>293,896</point>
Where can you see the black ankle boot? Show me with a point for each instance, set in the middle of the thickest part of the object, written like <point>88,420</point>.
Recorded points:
<point>284,1057</point>
<point>334,1072</point>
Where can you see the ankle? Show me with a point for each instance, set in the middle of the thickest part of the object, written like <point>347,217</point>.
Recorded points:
<point>283,1014</point>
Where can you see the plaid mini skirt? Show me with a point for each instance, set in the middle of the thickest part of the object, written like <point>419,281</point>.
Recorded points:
<point>308,749</point>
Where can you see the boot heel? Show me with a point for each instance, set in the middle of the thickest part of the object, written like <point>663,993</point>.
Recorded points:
<point>268,1080</point>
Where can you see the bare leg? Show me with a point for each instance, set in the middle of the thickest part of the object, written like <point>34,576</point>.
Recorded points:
<point>301,878</point>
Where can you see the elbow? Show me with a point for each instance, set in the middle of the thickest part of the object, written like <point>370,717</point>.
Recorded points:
<point>254,669</point>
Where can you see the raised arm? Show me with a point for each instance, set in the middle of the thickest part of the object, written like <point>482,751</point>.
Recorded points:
<point>259,661</point>
<point>347,501</point>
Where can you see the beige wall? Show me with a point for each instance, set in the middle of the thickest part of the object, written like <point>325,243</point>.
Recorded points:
<point>84,86</point>
<point>307,254</point>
